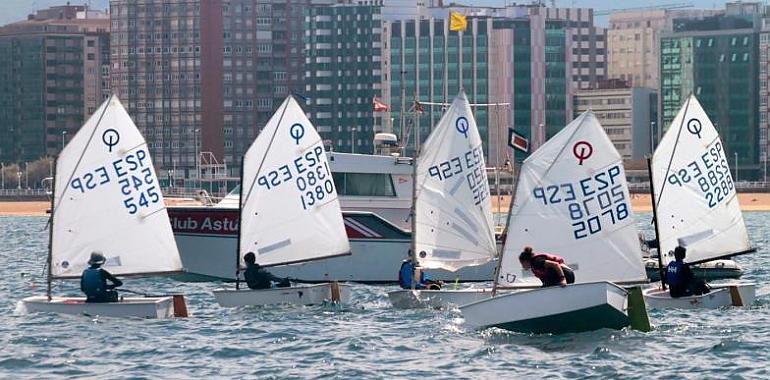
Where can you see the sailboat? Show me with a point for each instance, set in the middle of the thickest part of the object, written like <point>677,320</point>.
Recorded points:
<point>572,200</point>
<point>289,210</point>
<point>452,221</point>
<point>107,198</point>
<point>696,206</point>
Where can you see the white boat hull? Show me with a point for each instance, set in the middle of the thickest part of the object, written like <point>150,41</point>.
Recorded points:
<point>557,310</point>
<point>721,295</point>
<point>436,299</point>
<point>210,257</point>
<point>139,307</point>
<point>298,295</point>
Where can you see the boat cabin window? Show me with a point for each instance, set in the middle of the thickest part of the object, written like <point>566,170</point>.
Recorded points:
<point>360,184</point>
<point>364,184</point>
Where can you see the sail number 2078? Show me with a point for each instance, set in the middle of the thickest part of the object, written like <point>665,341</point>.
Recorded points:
<point>593,202</point>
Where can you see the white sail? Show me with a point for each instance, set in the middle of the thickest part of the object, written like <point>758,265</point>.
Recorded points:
<point>453,210</point>
<point>697,204</point>
<point>290,210</point>
<point>572,200</point>
<point>108,199</point>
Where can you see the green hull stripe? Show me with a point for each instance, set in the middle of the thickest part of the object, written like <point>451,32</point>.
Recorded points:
<point>592,318</point>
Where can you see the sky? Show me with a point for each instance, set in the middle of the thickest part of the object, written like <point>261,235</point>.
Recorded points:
<point>17,10</point>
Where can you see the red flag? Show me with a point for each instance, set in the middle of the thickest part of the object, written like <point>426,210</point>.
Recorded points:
<point>418,107</point>
<point>517,141</point>
<point>380,106</point>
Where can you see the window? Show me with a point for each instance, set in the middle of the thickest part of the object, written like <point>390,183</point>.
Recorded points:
<point>364,184</point>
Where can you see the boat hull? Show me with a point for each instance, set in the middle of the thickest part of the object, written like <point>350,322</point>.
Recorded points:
<point>721,295</point>
<point>139,307</point>
<point>207,241</point>
<point>708,271</point>
<point>436,299</point>
<point>297,295</point>
<point>555,310</point>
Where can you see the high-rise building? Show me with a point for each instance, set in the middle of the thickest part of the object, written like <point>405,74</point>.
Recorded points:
<point>515,72</point>
<point>633,41</point>
<point>764,93</point>
<point>54,70</point>
<point>717,59</point>
<point>428,63</point>
<point>263,63</point>
<point>627,114</point>
<point>394,10</point>
<point>201,78</point>
<point>160,50</point>
<point>343,74</point>
<point>587,53</point>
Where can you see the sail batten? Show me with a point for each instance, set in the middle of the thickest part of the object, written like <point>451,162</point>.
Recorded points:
<point>453,222</point>
<point>572,200</point>
<point>697,203</point>
<point>291,211</point>
<point>108,199</point>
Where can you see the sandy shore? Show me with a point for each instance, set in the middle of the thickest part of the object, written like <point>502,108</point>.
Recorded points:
<point>640,203</point>
<point>40,208</point>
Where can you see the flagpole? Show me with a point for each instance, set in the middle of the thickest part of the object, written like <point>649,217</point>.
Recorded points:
<point>417,140</point>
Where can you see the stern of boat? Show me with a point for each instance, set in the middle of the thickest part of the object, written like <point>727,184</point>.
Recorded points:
<point>138,307</point>
<point>298,295</point>
<point>555,310</point>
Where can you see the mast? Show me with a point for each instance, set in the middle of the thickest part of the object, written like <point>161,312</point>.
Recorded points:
<point>240,199</point>
<point>240,218</point>
<point>49,260</point>
<point>663,186</point>
<point>505,232</point>
<point>655,221</point>
<point>413,221</point>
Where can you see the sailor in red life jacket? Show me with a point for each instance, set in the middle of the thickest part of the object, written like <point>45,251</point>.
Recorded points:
<point>550,269</point>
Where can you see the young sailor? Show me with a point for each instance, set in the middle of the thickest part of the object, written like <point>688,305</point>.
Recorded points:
<point>93,281</point>
<point>406,274</point>
<point>258,278</point>
<point>550,269</point>
<point>679,277</point>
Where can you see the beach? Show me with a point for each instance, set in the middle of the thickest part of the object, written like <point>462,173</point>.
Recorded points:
<point>642,203</point>
<point>39,208</point>
<point>639,202</point>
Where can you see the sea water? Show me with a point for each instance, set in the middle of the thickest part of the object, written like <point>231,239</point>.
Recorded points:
<point>366,340</point>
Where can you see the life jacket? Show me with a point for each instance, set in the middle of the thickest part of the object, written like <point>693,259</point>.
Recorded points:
<point>94,285</point>
<point>542,273</point>
<point>256,278</point>
<point>674,274</point>
<point>405,276</point>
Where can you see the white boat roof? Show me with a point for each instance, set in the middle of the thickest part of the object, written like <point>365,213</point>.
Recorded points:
<point>349,163</point>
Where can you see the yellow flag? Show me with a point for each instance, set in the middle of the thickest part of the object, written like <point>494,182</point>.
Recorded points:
<point>457,21</point>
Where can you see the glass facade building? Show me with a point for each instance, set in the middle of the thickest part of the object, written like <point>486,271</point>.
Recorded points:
<point>717,60</point>
<point>428,63</point>
<point>343,51</point>
<point>515,69</point>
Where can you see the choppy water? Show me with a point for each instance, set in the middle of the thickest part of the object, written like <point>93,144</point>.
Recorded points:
<point>370,340</point>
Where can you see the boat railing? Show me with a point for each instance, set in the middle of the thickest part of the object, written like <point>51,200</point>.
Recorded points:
<point>742,186</point>
<point>24,193</point>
